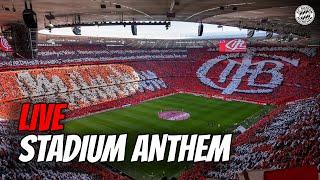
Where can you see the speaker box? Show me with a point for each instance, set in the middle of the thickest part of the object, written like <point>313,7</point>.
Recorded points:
<point>24,40</point>
<point>29,17</point>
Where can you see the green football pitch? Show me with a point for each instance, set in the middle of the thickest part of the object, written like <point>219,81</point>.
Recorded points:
<point>208,116</point>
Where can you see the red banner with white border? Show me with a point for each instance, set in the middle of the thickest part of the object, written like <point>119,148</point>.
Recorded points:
<point>233,45</point>
<point>4,45</point>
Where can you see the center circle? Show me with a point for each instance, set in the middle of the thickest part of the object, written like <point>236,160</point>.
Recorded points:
<point>173,115</point>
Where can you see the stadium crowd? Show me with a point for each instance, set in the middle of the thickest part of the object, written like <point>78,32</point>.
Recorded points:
<point>267,69</point>
<point>75,54</point>
<point>80,86</point>
<point>12,169</point>
<point>288,139</point>
<point>141,75</point>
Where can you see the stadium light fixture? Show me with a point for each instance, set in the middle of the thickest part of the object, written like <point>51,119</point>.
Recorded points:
<point>49,16</point>
<point>113,23</point>
<point>103,6</point>
<point>200,29</point>
<point>134,29</point>
<point>167,26</point>
<point>269,35</point>
<point>250,33</point>
<point>76,30</point>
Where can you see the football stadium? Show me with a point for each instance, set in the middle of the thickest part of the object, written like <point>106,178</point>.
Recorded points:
<point>167,69</point>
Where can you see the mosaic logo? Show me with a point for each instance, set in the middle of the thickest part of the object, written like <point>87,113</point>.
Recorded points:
<point>246,66</point>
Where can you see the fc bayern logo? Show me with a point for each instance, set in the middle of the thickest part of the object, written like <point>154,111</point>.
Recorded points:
<point>304,15</point>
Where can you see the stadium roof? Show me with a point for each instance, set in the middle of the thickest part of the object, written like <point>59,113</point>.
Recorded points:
<point>231,12</point>
<point>177,30</point>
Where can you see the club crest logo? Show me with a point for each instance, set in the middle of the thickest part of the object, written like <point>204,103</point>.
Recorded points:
<point>304,15</point>
<point>236,44</point>
<point>240,73</point>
